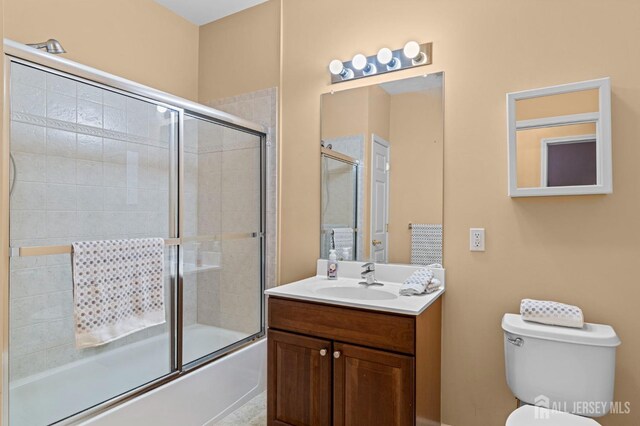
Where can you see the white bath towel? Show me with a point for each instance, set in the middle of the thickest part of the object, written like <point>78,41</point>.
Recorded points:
<point>421,281</point>
<point>426,243</point>
<point>551,313</point>
<point>118,288</point>
<point>342,239</point>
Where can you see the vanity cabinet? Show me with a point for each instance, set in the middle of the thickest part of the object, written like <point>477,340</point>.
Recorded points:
<point>334,365</point>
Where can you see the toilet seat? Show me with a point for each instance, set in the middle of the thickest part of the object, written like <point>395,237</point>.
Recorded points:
<point>528,415</point>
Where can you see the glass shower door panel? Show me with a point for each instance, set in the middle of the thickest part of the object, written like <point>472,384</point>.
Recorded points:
<point>90,164</point>
<point>222,268</point>
<point>339,206</point>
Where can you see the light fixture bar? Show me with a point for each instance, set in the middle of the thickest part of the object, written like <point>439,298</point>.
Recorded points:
<point>385,61</point>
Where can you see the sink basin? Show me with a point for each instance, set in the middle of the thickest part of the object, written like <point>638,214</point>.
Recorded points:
<point>356,293</point>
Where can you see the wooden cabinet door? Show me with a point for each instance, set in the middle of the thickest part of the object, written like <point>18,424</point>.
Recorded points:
<point>299,380</point>
<point>372,387</point>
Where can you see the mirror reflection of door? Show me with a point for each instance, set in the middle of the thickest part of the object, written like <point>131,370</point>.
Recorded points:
<point>569,161</point>
<point>379,198</point>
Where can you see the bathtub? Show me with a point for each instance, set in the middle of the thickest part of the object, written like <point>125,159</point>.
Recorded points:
<point>198,398</point>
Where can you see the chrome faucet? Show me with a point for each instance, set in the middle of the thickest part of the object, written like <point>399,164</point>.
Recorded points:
<point>369,274</point>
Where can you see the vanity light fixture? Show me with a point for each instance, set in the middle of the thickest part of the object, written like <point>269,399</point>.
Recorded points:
<point>413,54</point>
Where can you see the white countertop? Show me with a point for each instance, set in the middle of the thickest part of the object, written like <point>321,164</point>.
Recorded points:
<point>384,298</point>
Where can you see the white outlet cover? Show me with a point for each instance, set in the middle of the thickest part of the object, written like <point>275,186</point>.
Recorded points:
<point>476,239</point>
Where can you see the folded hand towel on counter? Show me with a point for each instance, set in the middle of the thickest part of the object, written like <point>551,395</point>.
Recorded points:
<point>421,281</point>
<point>551,313</point>
<point>118,288</point>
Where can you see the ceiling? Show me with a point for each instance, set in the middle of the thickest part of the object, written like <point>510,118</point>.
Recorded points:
<point>414,84</point>
<point>202,12</point>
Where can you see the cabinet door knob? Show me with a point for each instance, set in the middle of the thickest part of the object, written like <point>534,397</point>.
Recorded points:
<point>336,354</point>
<point>323,352</point>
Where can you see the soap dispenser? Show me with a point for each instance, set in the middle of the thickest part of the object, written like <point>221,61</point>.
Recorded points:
<point>332,266</point>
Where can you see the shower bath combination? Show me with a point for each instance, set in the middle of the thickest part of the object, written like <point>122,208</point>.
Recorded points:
<point>113,159</point>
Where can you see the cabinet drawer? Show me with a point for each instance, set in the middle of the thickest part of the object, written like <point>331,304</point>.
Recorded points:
<point>350,325</point>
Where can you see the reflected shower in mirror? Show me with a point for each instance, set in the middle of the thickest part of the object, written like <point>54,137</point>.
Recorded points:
<point>382,169</point>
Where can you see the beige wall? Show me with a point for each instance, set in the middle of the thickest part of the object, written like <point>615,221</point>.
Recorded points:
<point>379,113</point>
<point>536,247</point>
<point>345,113</point>
<point>415,194</point>
<point>138,40</point>
<point>240,53</point>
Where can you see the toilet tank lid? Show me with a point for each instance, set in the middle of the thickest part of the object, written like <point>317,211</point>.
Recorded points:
<point>590,334</point>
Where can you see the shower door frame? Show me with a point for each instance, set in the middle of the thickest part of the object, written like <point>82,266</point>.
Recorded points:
<point>338,156</point>
<point>18,53</point>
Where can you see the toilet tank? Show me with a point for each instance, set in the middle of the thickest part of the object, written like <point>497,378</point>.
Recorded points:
<point>566,369</point>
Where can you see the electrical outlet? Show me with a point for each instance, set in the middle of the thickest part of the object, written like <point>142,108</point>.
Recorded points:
<point>476,239</point>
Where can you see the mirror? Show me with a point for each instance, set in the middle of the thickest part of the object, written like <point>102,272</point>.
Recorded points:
<point>382,171</point>
<point>560,140</point>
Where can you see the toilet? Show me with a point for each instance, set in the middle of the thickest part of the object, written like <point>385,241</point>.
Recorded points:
<point>562,376</point>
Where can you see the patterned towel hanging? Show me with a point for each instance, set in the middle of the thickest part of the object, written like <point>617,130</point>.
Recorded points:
<point>426,244</point>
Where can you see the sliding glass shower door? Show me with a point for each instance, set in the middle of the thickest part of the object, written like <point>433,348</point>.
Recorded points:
<point>87,164</point>
<point>91,162</point>
<point>222,242</point>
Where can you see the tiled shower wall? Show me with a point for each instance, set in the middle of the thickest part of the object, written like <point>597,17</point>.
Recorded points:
<point>90,164</point>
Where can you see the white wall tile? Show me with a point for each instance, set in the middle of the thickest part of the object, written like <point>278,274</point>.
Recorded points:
<point>27,138</point>
<point>114,100</point>
<point>61,107</point>
<point>61,170</point>
<point>28,196</point>
<point>89,113</point>
<point>61,224</point>
<point>90,172</point>
<point>61,143</point>
<point>59,84</point>
<point>61,197</point>
<point>28,100</point>
<point>26,224</point>
<point>115,119</point>
<point>89,147</point>
<point>115,151</point>
<point>27,75</point>
<point>90,198</point>
<point>89,93</point>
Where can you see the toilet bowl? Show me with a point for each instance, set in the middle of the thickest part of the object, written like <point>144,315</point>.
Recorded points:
<point>528,415</point>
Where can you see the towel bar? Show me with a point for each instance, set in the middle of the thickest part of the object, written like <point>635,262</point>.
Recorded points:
<point>68,249</point>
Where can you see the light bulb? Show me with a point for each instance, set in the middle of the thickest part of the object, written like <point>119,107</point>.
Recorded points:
<point>336,67</point>
<point>385,55</point>
<point>412,51</point>
<point>359,61</point>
